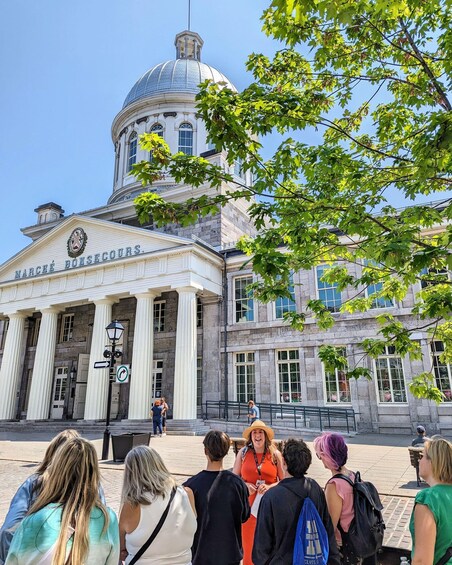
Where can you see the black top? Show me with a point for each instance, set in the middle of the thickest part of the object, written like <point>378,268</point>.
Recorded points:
<point>278,517</point>
<point>221,500</point>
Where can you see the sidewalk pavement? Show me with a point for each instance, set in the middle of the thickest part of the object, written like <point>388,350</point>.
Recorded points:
<point>384,460</point>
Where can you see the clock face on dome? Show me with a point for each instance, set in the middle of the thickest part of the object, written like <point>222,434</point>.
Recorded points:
<point>77,242</point>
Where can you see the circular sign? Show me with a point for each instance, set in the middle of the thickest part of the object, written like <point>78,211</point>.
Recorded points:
<point>77,242</point>
<point>122,373</point>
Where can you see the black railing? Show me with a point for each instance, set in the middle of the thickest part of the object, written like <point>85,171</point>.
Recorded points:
<point>317,418</point>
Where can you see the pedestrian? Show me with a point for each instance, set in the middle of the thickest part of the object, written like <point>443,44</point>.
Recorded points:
<point>148,492</point>
<point>419,440</point>
<point>27,493</point>
<point>221,500</point>
<point>164,414</point>
<point>431,524</point>
<point>157,410</point>
<point>259,464</point>
<point>67,523</point>
<point>281,506</point>
<point>332,450</point>
<point>253,412</point>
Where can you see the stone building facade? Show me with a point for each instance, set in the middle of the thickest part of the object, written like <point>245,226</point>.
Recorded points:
<point>192,332</point>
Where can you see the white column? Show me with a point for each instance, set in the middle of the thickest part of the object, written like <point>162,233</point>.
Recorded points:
<point>97,384</point>
<point>184,399</point>
<point>10,370</point>
<point>143,353</point>
<point>41,382</point>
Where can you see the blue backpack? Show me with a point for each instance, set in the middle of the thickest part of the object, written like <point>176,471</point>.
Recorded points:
<point>311,545</point>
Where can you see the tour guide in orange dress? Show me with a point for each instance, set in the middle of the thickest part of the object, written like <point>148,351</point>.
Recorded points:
<point>259,464</point>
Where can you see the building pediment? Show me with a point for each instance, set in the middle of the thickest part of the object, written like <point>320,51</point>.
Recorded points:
<point>86,259</point>
<point>80,242</point>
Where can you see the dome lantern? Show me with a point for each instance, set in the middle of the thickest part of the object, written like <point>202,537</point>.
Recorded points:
<point>188,45</point>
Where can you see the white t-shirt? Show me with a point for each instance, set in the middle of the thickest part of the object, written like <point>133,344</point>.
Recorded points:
<point>172,546</point>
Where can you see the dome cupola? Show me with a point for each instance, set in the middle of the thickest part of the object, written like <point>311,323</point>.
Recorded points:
<point>184,74</point>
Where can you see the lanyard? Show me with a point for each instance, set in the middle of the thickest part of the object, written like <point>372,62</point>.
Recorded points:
<point>259,465</point>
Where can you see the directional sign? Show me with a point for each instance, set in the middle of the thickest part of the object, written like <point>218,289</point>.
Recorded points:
<point>101,364</point>
<point>123,374</point>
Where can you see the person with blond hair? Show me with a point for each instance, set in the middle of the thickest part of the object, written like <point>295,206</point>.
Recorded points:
<point>431,524</point>
<point>157,521</point>
<point>68,524</point>
<point>259,464</point>
<point>27,492</point>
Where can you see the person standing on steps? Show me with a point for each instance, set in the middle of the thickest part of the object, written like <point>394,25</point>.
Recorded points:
<point>164,414</point>
<point>157,410</point>
<point>253,412</point>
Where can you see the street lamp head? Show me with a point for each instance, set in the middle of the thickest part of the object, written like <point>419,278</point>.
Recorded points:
<point>114,330</point>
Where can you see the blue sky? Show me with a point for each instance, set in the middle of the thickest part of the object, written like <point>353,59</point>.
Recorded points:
<point>66,68</point>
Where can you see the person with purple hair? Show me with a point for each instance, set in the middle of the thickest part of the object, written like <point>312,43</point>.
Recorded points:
<point>332,450</point>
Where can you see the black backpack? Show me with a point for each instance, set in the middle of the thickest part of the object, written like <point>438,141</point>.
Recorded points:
<point>365,535</point>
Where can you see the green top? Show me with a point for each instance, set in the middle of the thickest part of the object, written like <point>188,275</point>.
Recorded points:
<point>438,500</point>
<point>38,532</point>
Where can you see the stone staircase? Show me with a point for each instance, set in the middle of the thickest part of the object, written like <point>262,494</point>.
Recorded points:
<point>85,427</point>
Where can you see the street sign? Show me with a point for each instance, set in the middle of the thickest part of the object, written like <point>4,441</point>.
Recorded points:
<point>122,374</point>
<point>101,364</point>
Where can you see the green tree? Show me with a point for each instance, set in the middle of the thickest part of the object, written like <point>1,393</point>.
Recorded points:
<point>370,79</point>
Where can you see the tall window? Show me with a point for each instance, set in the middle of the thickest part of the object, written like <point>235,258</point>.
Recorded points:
<point>245,374</point>
<point>443,371</point>
<point>186,139</point>
<point>158,130</point>
<point>289,375</point>
<point>390,378</point>
<point>337,385</point>
<point>244,304</point>
<point>284,304</point>
<point>4,332</point>
<point>159,316</point>
<point>378,301</point>
<point>67,327</point>
<point>132,157</point>
<point>328,292</point>
<point>238,169</point>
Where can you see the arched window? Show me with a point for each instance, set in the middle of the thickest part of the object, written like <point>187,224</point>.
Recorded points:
<point>132,159</point>
<point>186,138</point>
<point>157,129</point>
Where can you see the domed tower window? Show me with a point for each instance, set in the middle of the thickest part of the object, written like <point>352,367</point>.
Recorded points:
<point>157,129</point>
<point>186,138</point>
<point>132,158</point>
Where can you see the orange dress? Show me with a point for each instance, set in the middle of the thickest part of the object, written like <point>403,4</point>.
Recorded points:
<point>250,474</point>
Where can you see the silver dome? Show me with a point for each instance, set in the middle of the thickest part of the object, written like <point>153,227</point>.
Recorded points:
<point>180,75</point>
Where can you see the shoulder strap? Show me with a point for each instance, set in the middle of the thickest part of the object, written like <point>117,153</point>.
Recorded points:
<point>157,529</point>
<point>445,558</point>
<point>341,476</point>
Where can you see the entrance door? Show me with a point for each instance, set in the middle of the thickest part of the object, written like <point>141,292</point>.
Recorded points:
<point>59,393</point>
<point>80,387</point>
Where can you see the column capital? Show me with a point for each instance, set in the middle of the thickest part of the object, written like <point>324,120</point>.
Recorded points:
<point>51,310</point>
<point>187,289</point>
<point>16,314</point>
<point>147,294</point>
<point>101,301</point>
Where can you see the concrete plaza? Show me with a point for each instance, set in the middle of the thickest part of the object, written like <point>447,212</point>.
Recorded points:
<point>384,460</point>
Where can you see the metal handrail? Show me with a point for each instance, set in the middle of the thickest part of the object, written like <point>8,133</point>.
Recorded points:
<point>302,416</point>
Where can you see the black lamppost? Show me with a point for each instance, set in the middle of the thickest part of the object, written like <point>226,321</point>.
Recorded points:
<point>114,332</point>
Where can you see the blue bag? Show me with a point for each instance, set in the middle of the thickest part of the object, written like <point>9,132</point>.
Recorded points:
<point>311,540</point>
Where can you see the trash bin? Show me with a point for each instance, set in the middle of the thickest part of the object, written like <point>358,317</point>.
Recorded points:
<point>123,443</point>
